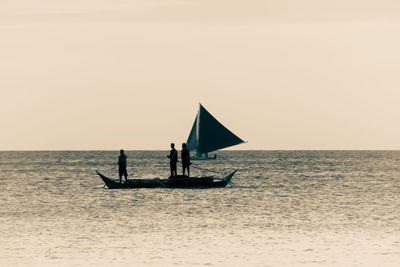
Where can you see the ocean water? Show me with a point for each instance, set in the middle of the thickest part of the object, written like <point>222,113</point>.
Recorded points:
<point>285,208</point>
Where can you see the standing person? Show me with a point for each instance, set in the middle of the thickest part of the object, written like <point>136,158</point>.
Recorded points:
<point>122,166</point>
<point>185,155</point>
<point>173,159</point>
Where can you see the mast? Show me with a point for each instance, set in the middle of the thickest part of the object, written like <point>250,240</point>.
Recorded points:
<point>198,126</point>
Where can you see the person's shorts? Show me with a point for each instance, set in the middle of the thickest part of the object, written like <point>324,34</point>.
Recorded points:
<point>122,171</point>
<point>185,164</point>
<point>172,165</point>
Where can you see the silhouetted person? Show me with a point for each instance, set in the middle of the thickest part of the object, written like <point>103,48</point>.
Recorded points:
<point>173,159</point>
<point>185,155</point>
<point>122,166</point>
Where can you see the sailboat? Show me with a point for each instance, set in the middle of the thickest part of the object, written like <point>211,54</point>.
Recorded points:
<point>208,135</point>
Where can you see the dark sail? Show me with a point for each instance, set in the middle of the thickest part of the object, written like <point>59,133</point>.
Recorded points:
<point>192,140</point>
<point>208,134</point>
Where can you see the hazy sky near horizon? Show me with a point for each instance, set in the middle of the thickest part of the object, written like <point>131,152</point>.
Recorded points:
<point>281,74</point>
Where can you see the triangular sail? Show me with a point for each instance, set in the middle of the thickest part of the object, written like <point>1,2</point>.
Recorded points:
<point>192,140</point>
<point>207,134</point>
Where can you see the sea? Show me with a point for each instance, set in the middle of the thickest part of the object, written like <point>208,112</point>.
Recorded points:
<point>284,208</point>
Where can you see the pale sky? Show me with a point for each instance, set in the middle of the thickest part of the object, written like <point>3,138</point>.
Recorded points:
<point>281,74</point>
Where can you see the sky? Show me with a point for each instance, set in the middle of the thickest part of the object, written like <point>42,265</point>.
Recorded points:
<point>281,74</point>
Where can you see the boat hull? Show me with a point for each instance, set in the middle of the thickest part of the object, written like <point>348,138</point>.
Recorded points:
<point>177,182</point>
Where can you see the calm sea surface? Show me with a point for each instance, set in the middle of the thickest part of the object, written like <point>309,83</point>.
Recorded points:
<point>286,208</point>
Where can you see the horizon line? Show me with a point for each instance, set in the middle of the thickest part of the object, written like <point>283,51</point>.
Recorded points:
<point>88,150</point>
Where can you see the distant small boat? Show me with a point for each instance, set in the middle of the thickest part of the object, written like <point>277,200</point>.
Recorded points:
<point>208,134</point>
<point>175,182</point>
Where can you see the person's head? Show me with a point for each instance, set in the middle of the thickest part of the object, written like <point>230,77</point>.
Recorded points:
<point>183,145</point>
<point>121,151</point>
<point>172,145</point>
